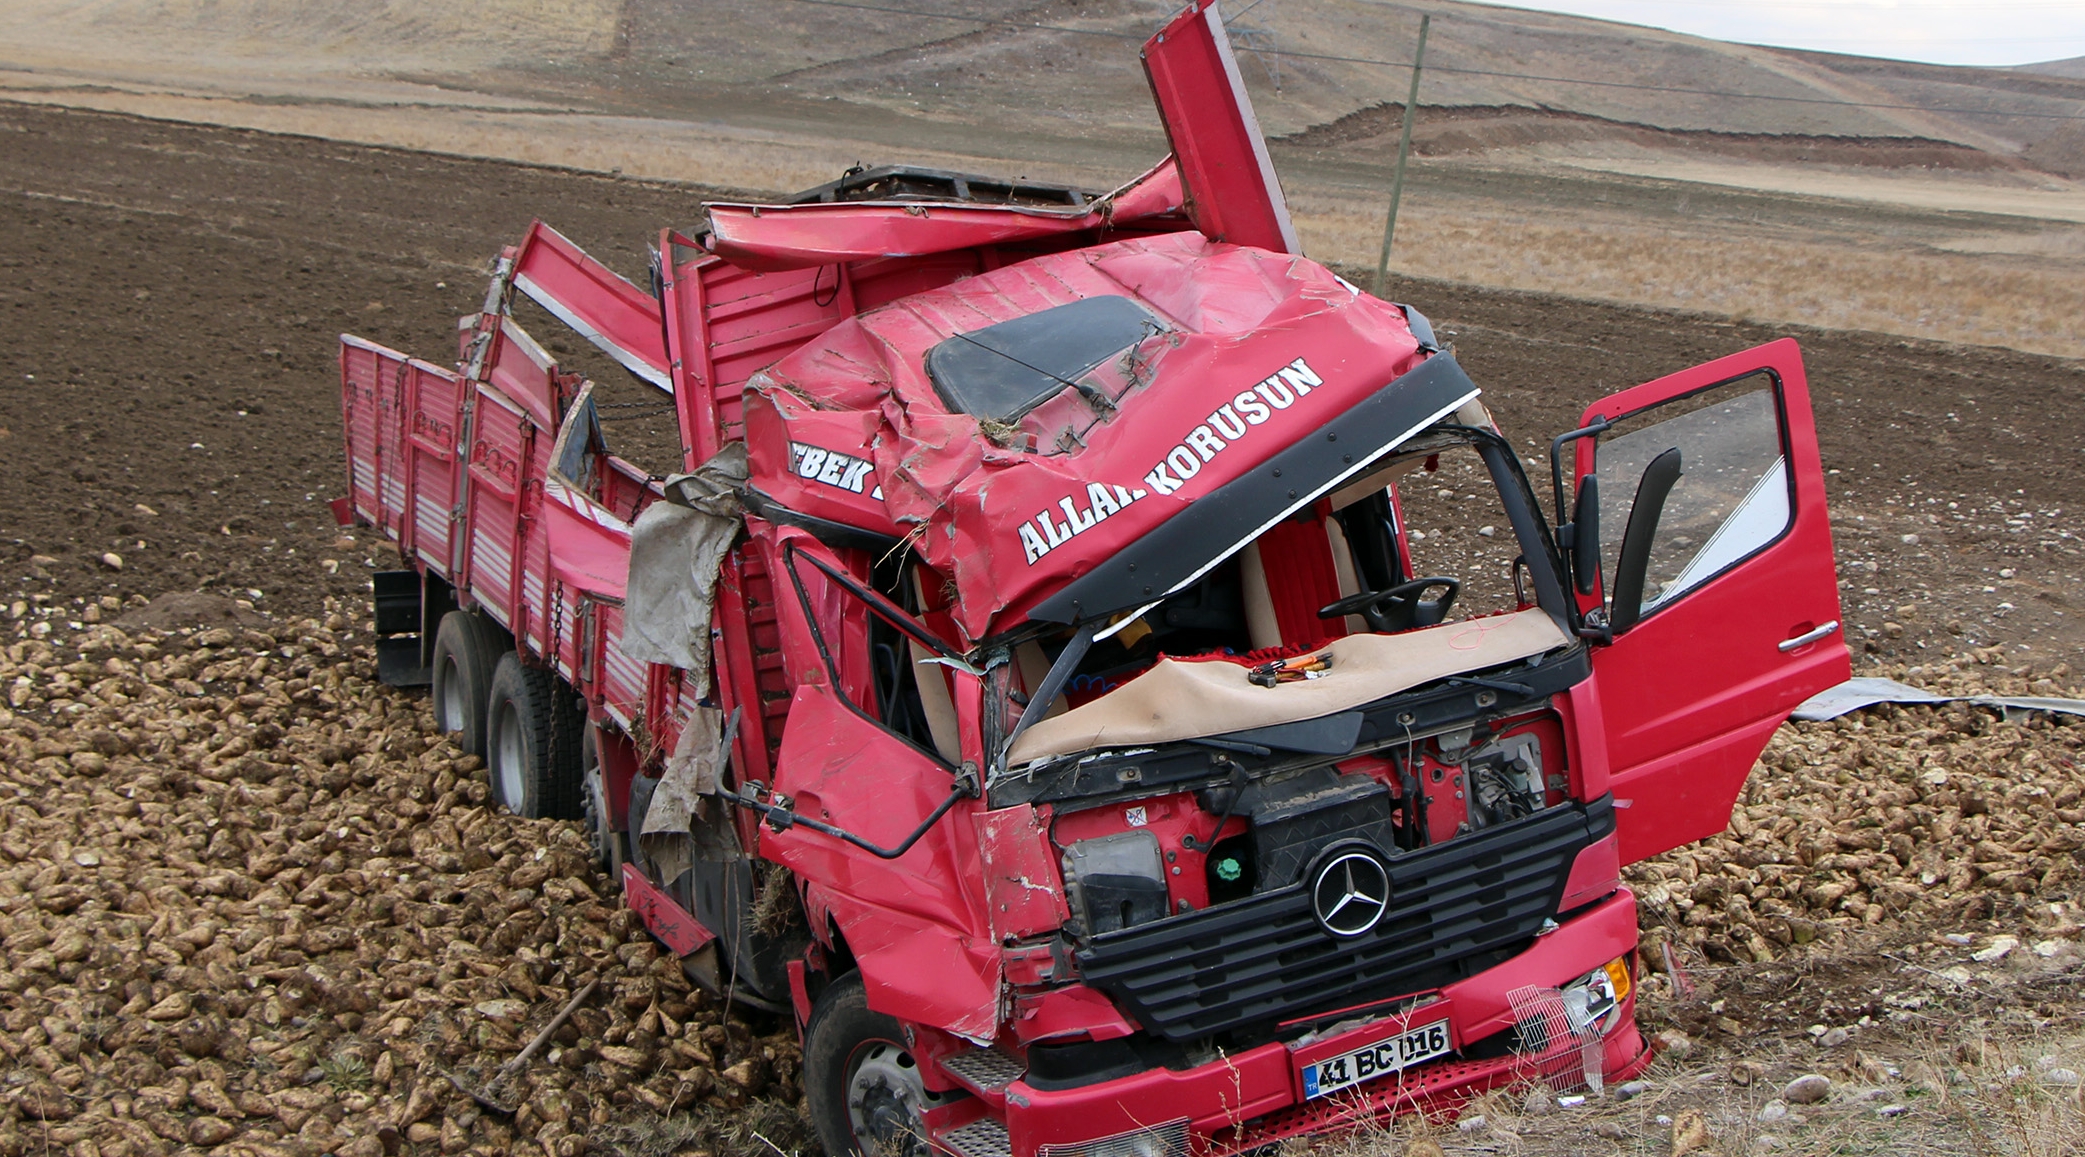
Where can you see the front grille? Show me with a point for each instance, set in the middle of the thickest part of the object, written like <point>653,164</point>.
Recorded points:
<point>1262,960</point>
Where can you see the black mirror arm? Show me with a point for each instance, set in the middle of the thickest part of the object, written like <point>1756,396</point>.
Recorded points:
<point>1629,571</point>
<point>1597,427</point>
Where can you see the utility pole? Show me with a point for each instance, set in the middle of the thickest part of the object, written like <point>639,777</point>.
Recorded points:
<point>1404,149</point>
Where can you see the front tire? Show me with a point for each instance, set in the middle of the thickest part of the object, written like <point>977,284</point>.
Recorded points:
<point>467,649</point>
<point>533,732</point>
<point>861,1083</point>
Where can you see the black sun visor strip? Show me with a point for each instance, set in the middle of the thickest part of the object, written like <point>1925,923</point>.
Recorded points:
<point>1214,527</point>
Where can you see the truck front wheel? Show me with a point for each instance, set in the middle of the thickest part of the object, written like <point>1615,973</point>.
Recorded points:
<point>467,648</point>
<point>860,1082</point>
<point>533,732</point>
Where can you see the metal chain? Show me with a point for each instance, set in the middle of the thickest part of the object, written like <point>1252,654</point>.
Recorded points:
<point>557,621</point>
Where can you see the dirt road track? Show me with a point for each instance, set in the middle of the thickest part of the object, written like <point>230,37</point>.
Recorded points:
<point>158,279</point>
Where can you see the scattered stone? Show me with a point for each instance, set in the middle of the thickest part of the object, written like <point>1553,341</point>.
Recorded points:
<point>2048,948</point>
<point>1807,1089</point>
<point>2061,1077</point>
<point>1774,1110</point>
<point>1834,1037</point>
<point>1997,950</point>
<point>1893,1109</point>
<point>1744,1073</point>
<point>1538,1103</point>
<point>1611,1130</point>
<point>1674,1043</point>
<point>1474,1123</point>
<point>1628,1089</point>
<point>114,561</point>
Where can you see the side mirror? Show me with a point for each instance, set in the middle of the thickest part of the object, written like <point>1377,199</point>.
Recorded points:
<point>1635,561</point>
<point>1585,535</point>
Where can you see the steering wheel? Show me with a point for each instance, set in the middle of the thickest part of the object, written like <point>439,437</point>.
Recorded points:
<point>1400,608</point>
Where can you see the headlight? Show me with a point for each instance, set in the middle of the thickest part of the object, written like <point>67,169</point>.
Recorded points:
<point>1594,1001</point>
<point>1169,1140</point>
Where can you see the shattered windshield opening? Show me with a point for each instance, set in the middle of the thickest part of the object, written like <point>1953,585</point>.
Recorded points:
<point>1002,371</point>
<point>1424,543</point>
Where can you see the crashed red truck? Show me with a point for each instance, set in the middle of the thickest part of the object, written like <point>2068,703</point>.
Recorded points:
<point>1034,684</point>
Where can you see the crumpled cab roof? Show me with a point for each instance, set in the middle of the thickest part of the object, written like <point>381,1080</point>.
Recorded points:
<point>1247,352</point>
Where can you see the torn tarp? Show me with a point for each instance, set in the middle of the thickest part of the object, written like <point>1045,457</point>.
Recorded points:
<point>676,549</point>
<point>1854,694</point>
<point>684,822</point>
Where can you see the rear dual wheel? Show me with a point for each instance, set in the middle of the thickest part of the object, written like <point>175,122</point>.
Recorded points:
<point>534,732</point>
<point>467,650</point>
<point>611,847</point>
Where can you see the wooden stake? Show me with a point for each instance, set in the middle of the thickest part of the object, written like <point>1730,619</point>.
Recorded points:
<point>1404,149</point>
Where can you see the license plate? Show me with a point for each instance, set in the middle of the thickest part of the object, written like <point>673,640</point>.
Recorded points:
<point>1379,1059</point>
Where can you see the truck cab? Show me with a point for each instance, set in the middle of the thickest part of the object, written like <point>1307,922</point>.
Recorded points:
<point>1262,791</point>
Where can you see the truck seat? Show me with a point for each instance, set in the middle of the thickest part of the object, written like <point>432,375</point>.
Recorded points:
<point>1297,566</point>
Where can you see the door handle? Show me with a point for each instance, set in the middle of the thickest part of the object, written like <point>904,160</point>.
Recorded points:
<point>1809,637</point>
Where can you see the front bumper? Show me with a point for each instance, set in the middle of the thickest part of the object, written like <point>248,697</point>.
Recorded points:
<point>1238,1103</point>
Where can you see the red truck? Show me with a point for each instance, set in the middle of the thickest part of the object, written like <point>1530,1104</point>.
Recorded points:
<point>1069,677</point>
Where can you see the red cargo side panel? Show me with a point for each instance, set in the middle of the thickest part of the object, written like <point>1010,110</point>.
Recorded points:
<point>591,298</point>
<point>1232,193</point>
<point>500,444</point>
<point>434,406</point>
<point>620,686</point>
<point>525,373</point>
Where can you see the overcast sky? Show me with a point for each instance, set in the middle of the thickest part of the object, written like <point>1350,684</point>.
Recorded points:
<point>1940,31</point>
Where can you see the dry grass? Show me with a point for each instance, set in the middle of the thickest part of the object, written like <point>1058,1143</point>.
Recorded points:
<point>1974,1097</point>
<point>1983,299</point>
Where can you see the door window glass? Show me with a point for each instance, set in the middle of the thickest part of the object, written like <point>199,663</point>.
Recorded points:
<point>1732,497</point>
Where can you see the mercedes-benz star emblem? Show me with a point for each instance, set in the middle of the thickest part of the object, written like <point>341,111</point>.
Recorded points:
<point>1351,893</point>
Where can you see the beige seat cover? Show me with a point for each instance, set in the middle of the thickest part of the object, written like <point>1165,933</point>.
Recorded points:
<point>1176,700</point>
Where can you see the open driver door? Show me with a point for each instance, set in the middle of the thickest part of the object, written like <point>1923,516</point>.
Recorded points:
<point>1701,549</point>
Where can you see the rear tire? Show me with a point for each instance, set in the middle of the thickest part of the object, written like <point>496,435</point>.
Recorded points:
<point>611,847</point>
<point>467,649</point>
<point>533,733</point>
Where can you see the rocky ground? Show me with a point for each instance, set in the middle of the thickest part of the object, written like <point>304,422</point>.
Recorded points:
<point>251,902</point>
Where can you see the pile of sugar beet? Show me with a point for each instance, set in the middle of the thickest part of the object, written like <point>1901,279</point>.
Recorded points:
<point>251,901</point>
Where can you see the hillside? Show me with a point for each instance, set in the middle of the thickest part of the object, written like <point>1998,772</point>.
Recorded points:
<point>1058,70</point>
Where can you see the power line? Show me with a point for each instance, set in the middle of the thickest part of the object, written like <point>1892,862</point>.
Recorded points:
<point>1037,26</point>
